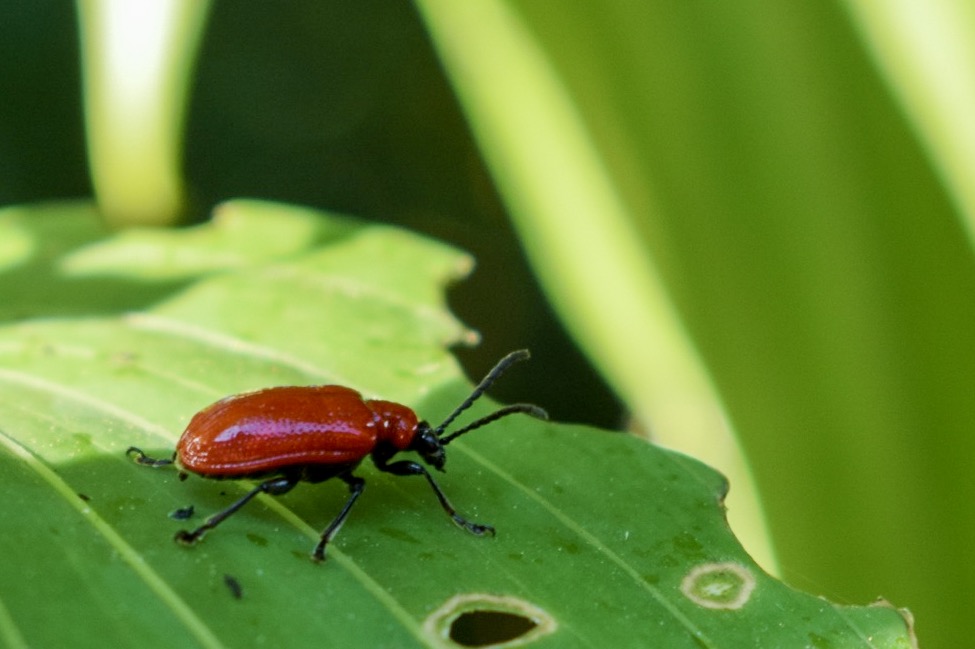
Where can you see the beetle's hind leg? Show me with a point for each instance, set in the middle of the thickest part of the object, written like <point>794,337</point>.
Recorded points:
<point>140,457</point>
<point>274,487</point>
<point>356,486</point>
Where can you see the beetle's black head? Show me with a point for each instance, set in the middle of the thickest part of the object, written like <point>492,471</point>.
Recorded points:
<point>428,445</point>
<point>429,442</point>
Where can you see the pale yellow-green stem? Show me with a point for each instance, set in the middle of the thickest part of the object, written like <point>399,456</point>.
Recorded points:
<point>927,54</point>
<point>581,239</point>
<point>137,60</point>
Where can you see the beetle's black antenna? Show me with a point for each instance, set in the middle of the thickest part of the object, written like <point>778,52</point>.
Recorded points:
<point>492,376</point>
<point>527,408</point>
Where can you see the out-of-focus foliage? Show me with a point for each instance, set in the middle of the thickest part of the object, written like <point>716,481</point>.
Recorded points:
<point>787,170</point>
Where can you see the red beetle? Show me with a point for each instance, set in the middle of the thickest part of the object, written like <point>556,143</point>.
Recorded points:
<point>293,434</point>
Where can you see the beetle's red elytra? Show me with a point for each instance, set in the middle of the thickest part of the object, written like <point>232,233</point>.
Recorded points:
<point>256,433</point>
<point>286,435</point>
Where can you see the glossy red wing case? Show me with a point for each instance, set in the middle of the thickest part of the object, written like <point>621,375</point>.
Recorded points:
<point>267,430</point>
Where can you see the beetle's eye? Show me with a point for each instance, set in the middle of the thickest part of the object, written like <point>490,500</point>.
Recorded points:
<point>428,445</point>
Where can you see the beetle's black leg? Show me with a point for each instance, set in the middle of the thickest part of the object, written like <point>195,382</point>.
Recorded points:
<point>356,486</point>
<point>141,458</point>
<point>275,487</point>
<point>406,467</point>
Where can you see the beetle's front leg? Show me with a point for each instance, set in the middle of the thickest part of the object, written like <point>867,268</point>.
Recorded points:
<point>406,467</point>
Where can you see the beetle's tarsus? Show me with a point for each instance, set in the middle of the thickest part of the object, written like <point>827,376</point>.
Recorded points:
<point>477,529</point>
<point>140,457</point>
<point>184,537</point>
<point>482,530</point>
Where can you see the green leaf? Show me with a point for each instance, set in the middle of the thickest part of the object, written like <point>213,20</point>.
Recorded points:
<point>603,539</point>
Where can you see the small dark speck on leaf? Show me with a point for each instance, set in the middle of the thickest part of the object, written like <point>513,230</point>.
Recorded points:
<point>257,539</point>
<point>399,535</point>
<point>84,497</point>
<point>182,513</point>
<point>234,586</point>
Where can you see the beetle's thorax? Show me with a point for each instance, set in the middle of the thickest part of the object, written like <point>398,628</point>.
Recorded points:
<point>395,423</point>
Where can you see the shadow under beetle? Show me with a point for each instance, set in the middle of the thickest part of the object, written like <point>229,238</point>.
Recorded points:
<point>287,435</point>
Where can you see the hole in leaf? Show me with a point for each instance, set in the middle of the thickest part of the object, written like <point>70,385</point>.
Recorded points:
<point>482,620</point>
<point>487,628</point>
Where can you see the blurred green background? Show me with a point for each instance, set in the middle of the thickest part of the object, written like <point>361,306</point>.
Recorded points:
<point>341,106</point>
<point>794,184</point>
